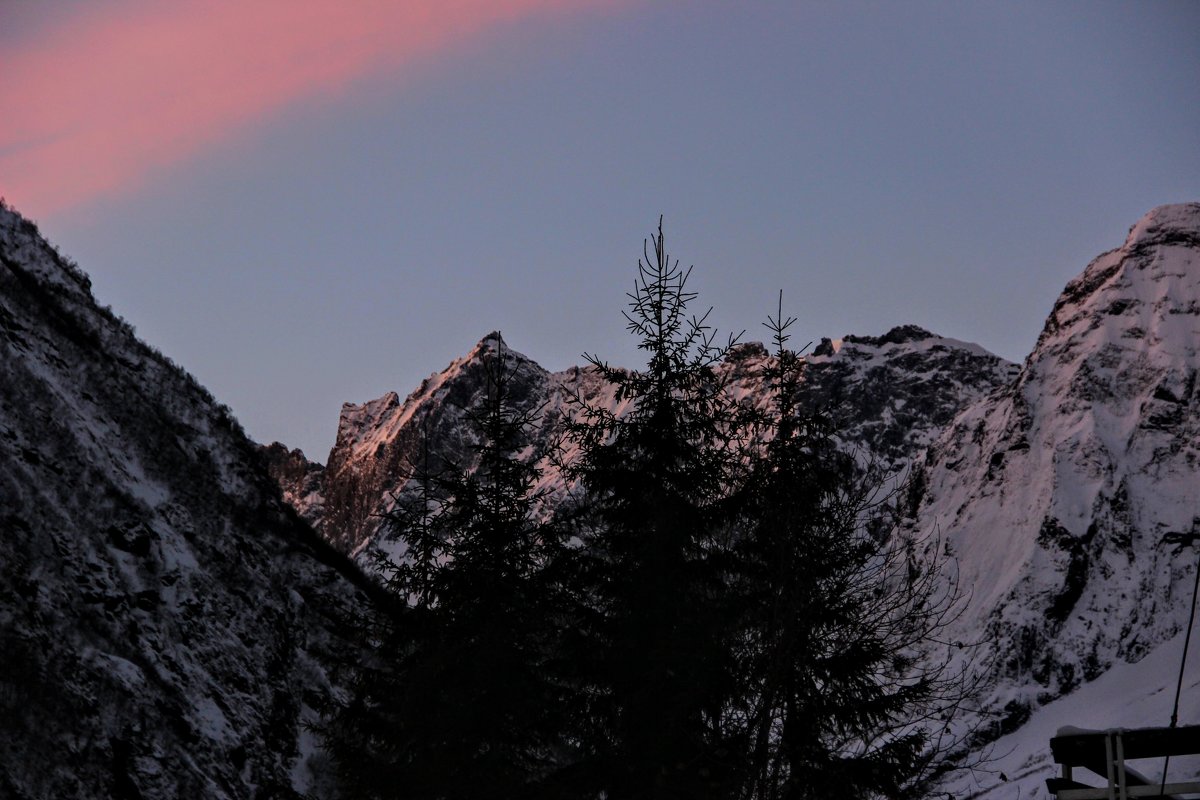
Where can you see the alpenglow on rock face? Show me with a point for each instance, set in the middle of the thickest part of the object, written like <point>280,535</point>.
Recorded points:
<point>891,394</point>
<point>1055,494</point>
<point>1052,482</point>
<point>164,618</point>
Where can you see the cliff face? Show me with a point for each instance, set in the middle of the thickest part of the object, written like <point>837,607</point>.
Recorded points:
<point>299,479</point>
<point>164,617</point>
<point>1056,492</point>
<point>892,395</point>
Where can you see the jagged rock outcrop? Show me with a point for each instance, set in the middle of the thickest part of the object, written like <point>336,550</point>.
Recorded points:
<point>164,618</point>
<point>892,395</point>
<point>379,442</point>
<point>299,479</point>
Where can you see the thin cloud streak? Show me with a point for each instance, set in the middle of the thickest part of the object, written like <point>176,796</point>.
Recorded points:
<point>98,104</point>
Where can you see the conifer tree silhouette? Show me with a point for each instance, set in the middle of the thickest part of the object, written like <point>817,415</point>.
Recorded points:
<point>458,700</point>
<point>653,634</point>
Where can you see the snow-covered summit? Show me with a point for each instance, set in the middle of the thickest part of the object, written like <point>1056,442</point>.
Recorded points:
<point>1173,221</point>
<point>1055,493</point>
<point>1151,278</point>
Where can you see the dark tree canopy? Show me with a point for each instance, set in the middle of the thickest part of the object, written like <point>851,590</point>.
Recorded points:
<point>459,699</point>
<point>653,566</point>
<point>721,609</point>
<point>840,613</point>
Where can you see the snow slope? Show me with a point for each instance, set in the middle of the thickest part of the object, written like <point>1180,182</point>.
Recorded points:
<point>1139,695</point>
<point>1055,493</point>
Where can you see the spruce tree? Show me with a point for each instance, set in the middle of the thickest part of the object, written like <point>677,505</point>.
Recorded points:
<point>839,614</point>
<point>458,698</point>
<point>651,645</point>
<point>732,615</point>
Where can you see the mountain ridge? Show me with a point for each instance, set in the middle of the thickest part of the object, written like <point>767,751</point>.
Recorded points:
<point>165,619</point>
<point>1052,481</point>
<point>909,378</point>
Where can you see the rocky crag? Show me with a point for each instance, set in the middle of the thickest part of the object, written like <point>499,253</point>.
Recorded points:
<point>1055,494</point>
<point>165,619</point>
<point>891,394</point>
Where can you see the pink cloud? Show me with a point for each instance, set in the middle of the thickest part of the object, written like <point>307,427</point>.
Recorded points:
<point>99,103</point>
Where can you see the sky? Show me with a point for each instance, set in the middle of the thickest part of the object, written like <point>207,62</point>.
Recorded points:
<point>308,202</point>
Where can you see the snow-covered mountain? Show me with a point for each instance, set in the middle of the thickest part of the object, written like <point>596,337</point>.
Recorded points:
<point>892,394</point>
<point>1055,493</point>
<point>164,617</point>
<point>1052,482</point>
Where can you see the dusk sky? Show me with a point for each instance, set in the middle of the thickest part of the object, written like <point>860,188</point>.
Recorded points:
<point>306,202</point>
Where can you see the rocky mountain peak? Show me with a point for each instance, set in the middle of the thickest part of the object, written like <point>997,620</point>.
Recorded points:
<point>1142,289</point>
<point>1166,223</point>
<point>897,335</point>
<point>492,341</point>
<point>379,440</point>
<point>747,351</point>
<point>1056,492</point>
<point>300,480</point>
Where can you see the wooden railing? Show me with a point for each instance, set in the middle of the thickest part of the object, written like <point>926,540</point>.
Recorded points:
<point>1105,753</point>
